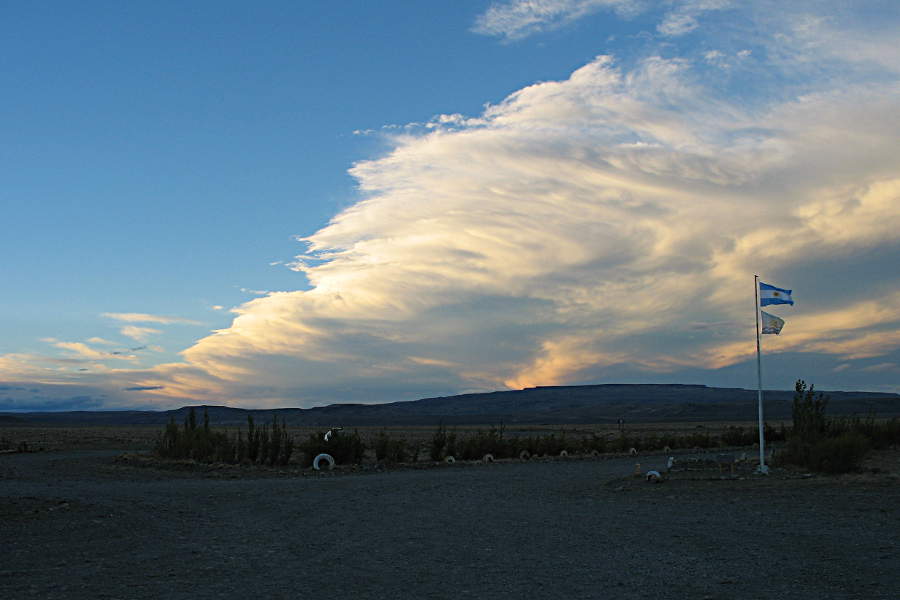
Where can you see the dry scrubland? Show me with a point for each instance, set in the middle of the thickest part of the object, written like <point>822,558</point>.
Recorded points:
<point>84,519</point>
<point>143,437</point>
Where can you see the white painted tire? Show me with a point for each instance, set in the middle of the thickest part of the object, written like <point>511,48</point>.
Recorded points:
<point>488,458</point>
<point>524,455</point>
<point>595,453</point>
<point>317,462</point>
<point>633,452</point>
<point>667,449</point>
<point>654,476</point>
<point>449,460</point>
<point>563,454</point>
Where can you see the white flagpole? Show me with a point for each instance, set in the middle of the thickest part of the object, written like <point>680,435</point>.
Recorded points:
<point>762,437</point>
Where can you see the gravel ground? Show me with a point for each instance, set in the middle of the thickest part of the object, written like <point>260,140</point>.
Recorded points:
<point>81,524</point>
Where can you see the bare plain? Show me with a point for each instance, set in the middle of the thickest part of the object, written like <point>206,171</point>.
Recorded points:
<point>89,517</point>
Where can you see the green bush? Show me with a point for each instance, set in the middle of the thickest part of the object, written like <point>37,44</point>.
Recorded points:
<point>829,445</point>
<point>195,443</point>
<point>436,451</point>
<point>595,442</point>
<point>451,448</point>
<point>623,443</point>
<point>738,436</point>
<point>808,413</point>
<point>480,443</point>
<point>881,434</point>
<point>390,449</point>
<point>344,448</point>
<point>840,454</point>
<point>271,445</point>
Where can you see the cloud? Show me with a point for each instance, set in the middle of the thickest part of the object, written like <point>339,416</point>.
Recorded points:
<point>517,19</point>
<point>602,227</point>
<point>684,17</point>
<point>143,388</point>
<point>145,318</point>
<point>139,334</point>
<point>83,350</point>
<point>583,225</point>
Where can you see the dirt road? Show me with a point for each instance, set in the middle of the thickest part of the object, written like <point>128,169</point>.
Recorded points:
<point>79,525</point>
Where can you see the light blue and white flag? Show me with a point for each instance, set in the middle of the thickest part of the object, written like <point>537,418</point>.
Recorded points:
<point>771,323</point>
<point>769,294</point>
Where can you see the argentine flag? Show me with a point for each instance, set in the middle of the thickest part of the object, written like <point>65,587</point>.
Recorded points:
<point>769,294</point>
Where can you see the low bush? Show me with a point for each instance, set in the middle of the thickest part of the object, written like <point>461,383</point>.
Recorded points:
<point>594,443</point>
<point>480,443</point>
<point>344,448</point>
<point>270,445</point>
<point>841,454</point>
<point>831,445</point>
<point>194,442</point>
<point>738,436</point>
<point>389,449</point>
<point>438,448</point>
<point>881,434</point>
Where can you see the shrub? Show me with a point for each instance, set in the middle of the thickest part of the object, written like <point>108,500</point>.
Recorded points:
<point>390,449</point>
<point>192,442</point>
<point>738,436</point>
<point>551,445</point>
<point>623,443</point>
<point>881,434</point>
<point>451,448</point>
<point>840,454</point>
<point>270,445</point>
<point>438,443</point>
<point>486,442</point>
<point>594,442</point>
<point>808,413</point>
<point>820,444</point>
<point>344,448</point>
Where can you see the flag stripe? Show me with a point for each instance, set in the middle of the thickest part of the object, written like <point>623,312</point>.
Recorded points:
<point>769,294</point>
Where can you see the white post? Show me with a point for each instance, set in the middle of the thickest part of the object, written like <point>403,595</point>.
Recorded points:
<point>762,437</point>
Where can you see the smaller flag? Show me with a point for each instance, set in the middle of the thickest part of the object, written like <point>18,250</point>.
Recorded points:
<point>769,294</point>
<point>771,323</point>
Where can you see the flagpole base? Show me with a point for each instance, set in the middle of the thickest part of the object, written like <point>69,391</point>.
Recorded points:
<point>763,470</point>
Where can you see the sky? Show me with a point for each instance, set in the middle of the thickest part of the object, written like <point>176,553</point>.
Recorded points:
<point>296,204</point>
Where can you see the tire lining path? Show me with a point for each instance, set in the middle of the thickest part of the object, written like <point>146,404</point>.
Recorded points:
<point>79,525</point>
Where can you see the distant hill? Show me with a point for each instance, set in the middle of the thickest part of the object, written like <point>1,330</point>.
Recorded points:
<point>634,403</point>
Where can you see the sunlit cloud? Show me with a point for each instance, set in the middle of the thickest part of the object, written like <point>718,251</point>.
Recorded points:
<point>139,334</point>
<point>585,224</point>
<point>608,222</point>
<point>82,350</point>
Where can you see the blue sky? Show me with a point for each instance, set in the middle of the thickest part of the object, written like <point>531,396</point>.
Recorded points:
<point>298,204</point>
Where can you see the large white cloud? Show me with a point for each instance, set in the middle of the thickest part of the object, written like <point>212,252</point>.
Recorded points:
<point>579,225</point>
<point>608,222</point>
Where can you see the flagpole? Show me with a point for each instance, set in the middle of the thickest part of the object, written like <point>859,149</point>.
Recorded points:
<point>759,394</point>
